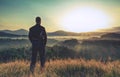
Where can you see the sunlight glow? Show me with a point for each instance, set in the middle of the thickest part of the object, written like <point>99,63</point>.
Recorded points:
<point>85,19</point>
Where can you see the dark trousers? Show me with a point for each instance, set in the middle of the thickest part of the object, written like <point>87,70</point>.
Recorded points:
<point>35,50</point>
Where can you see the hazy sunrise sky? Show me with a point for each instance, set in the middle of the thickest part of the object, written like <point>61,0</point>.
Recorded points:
<point>17,14</point>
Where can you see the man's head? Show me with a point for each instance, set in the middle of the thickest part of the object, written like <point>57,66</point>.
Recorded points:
<point>38,20</point>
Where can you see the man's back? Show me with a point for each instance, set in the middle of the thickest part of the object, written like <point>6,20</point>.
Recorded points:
<point>37,33</point>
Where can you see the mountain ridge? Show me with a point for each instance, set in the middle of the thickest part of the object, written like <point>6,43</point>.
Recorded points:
<point>64,33</point>
<point>16,32</point>
<point>3,34</point>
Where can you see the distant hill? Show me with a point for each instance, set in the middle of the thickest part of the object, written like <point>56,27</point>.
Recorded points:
<point>3,34</point>
<point>62,33</point>
<point>65,33</point>
<point>25,32</point>
<point>16,32</point>
<point>56,33</point>
<point>113,29</point>
<point>111,35</point>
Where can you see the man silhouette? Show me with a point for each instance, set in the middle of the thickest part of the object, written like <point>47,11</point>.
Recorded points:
<point>38,38</point>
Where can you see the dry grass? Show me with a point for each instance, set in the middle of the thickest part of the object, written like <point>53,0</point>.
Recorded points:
<point>63,68</point>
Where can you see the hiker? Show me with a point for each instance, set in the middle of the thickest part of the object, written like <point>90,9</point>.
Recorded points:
<point>38,38</point>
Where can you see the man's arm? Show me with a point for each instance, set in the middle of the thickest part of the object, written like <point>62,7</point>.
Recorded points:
<point>30,35</point>
<point>45,36</point>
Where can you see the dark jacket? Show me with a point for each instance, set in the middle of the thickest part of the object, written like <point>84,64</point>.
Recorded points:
<point>37,34</point>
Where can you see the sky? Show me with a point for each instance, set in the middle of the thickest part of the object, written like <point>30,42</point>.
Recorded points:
<point>17,14</point>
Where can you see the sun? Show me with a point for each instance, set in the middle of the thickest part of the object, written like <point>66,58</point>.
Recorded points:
<point>85,19</point>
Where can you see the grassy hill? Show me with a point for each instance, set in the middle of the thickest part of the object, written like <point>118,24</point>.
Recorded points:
<point>63,68</point>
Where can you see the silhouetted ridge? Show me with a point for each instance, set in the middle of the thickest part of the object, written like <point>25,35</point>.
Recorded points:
<point>111,35</point>
<point>7,34</point>
<point>16,32</point>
